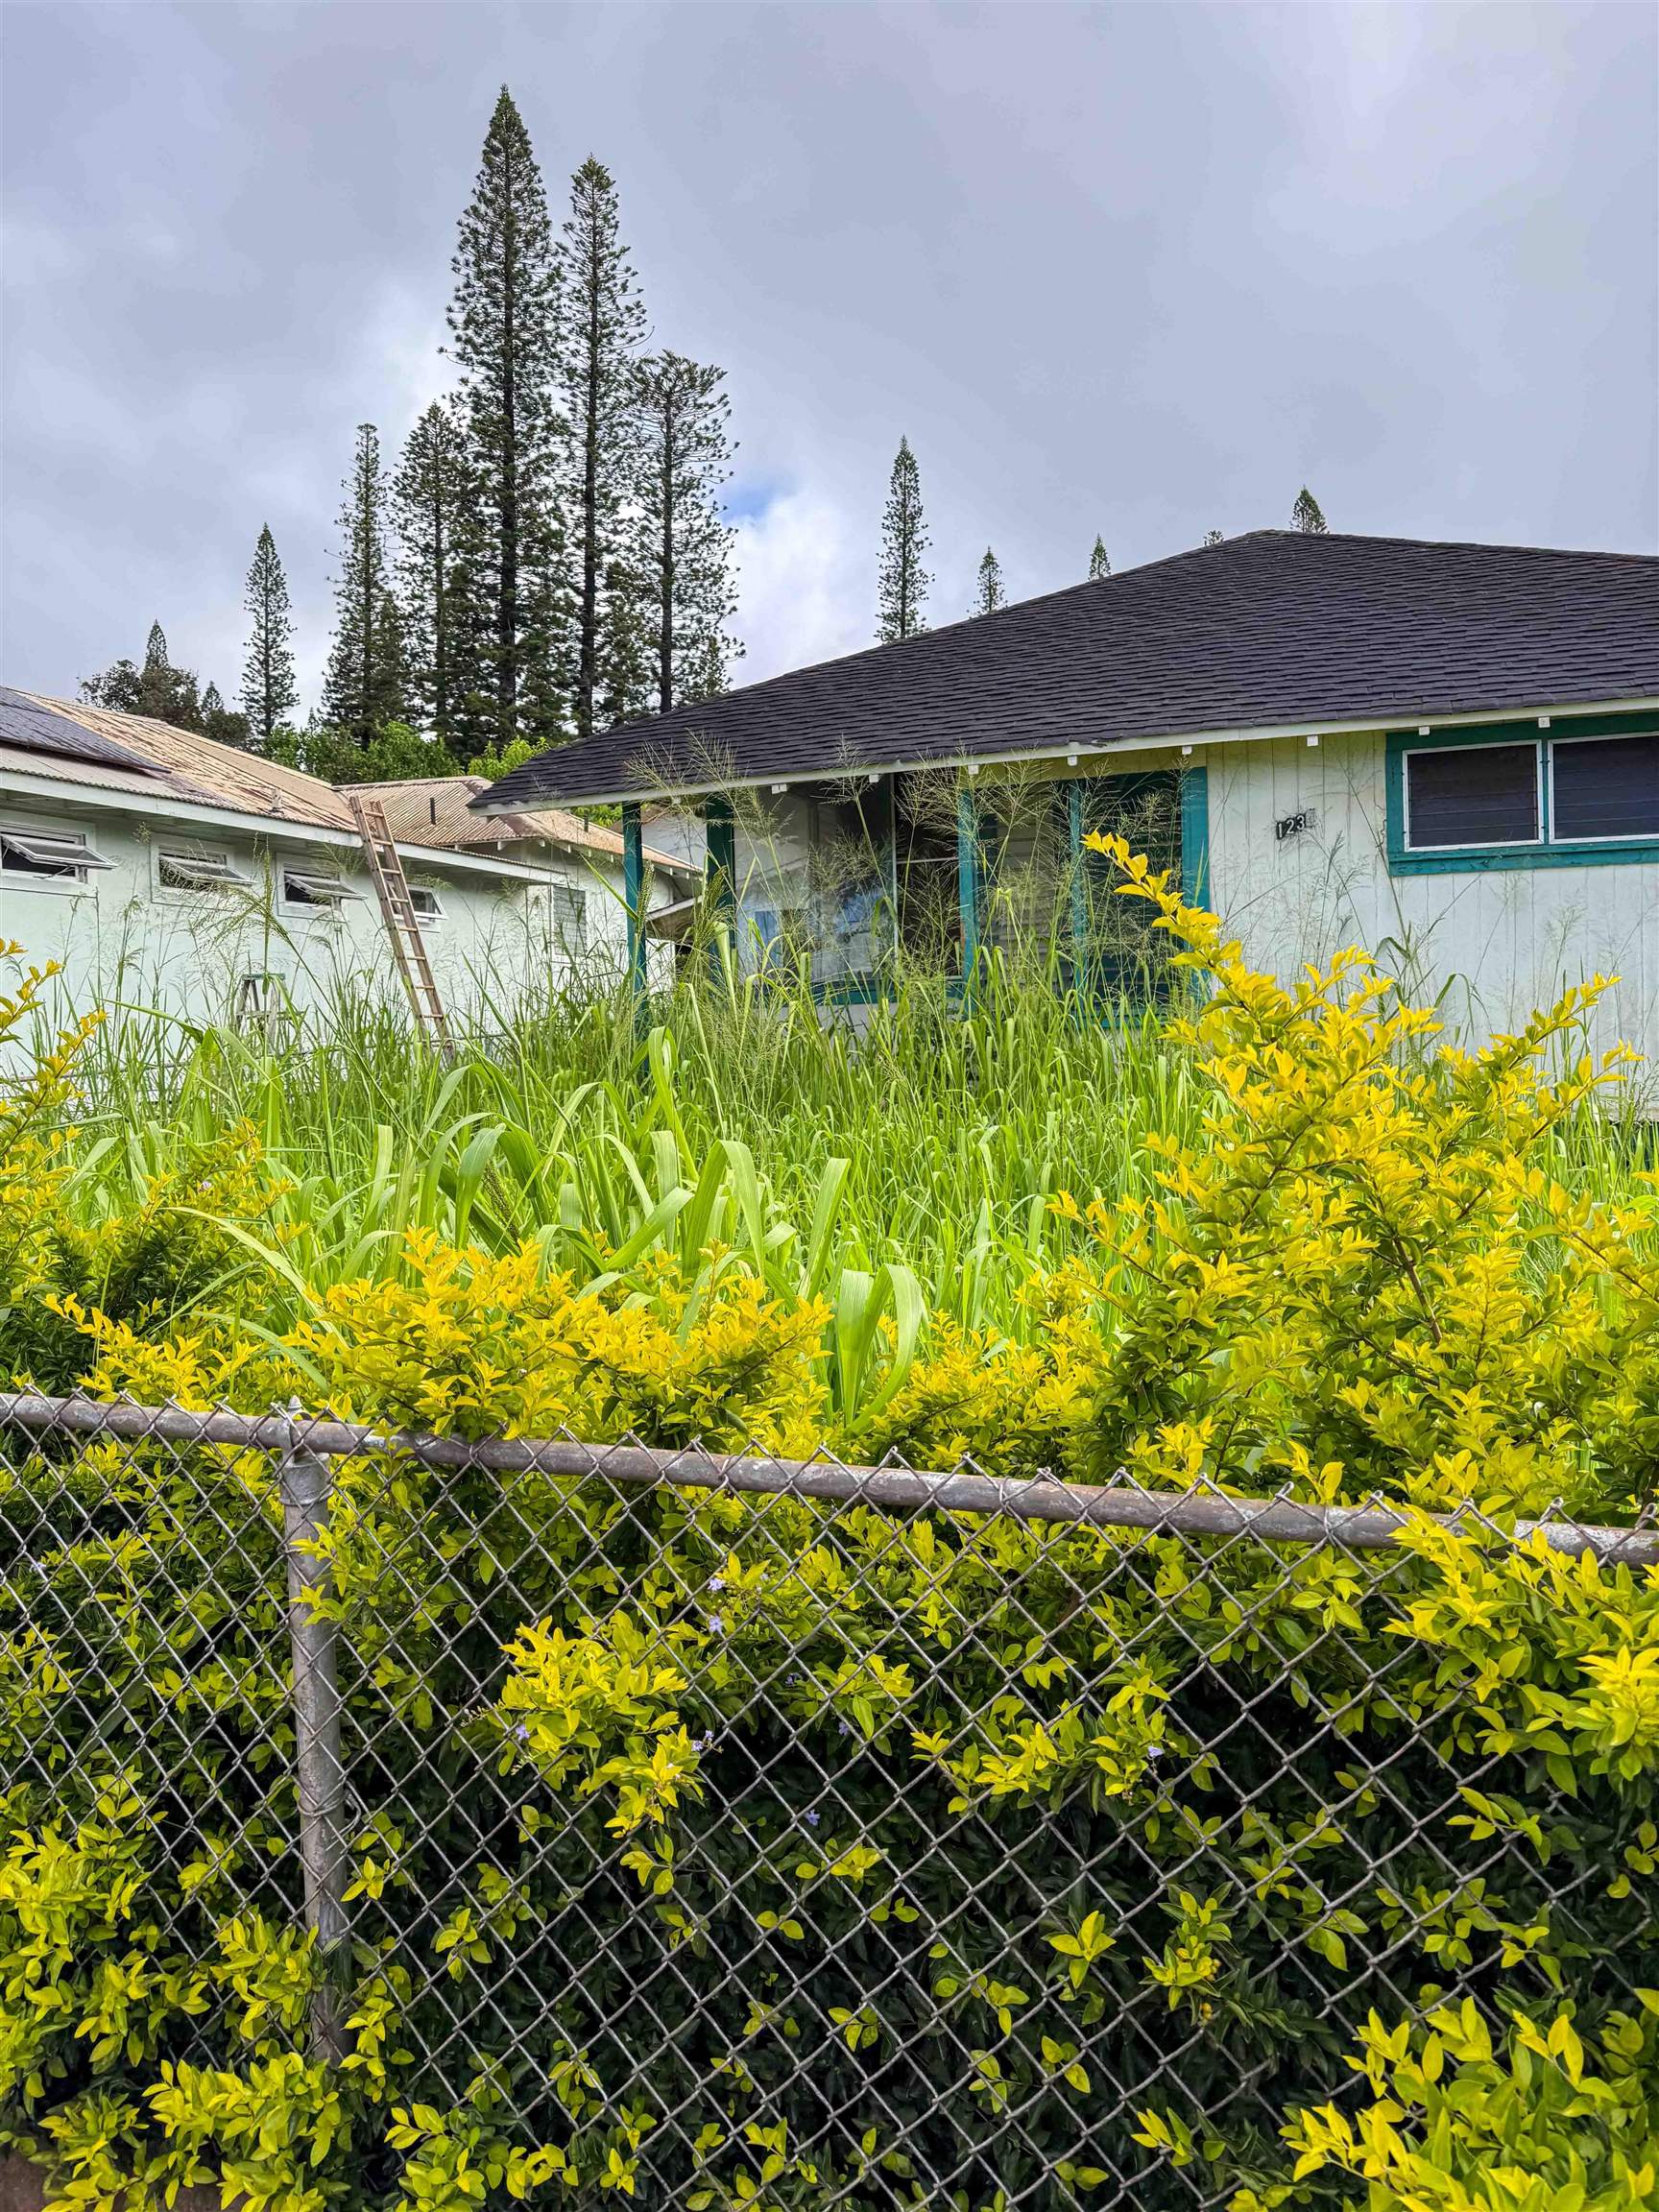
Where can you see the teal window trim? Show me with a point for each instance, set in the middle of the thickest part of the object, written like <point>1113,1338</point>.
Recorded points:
<point>634,893</point>
<point>1195,836</point>
<point>1482,859</point>
<point>970,889</point>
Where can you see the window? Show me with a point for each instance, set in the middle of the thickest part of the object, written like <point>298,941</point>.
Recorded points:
<point>427,905</point>
<point>307,892</point>
<point>569,917</point>
<point>1504,799</point>
<point>1472,795</point>
<point>53,858</point>
<point>1604,787</point>
<point>186,872</point>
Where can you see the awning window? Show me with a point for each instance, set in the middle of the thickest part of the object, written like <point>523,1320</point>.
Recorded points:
<point>198,872</point>
<point>48,853</point>
<point>302,888</point>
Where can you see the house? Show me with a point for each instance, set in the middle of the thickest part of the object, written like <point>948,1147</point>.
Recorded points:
<point>1447,753</point>
<point>166,871</point>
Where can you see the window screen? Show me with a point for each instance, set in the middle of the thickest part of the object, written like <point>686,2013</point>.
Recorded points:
<point>60,856</point>
<point>1472,795</point>
<point>569,917</point>
<point>1604,787</point>
<point>196,872</point>
<point>302,888</point>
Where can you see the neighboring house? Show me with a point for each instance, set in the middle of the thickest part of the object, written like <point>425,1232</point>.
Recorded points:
<point>1448,754</point>
<point>162,870</point>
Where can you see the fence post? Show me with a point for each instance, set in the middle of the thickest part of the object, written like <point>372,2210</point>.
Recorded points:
<point>319,1776</point>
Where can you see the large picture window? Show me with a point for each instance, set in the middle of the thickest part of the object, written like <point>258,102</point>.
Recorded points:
<point>1507,799</point>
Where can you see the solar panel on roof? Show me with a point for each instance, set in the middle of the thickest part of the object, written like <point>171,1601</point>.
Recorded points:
<point>36,728</point>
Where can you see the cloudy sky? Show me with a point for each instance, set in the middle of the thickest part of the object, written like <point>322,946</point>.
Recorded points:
<point>1142,268</point>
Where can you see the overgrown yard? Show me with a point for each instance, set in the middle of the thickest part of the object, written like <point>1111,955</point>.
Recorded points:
<point>777,1852</point>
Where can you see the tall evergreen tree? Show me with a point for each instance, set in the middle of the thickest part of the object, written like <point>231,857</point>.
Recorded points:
<point>1304,515</point>
<point>902,585</point>
<point>429,504</point>
<point>685,543</point>
<point>503,329</point>
<point>269,692</point>
<point>159,690</point>
<point>1100,562</point>
<point>223,723</point>
<point>602,333</point>
<point>363,685</point>
<point>990,595</point>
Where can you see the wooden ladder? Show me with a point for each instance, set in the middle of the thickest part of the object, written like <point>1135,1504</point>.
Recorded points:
<point>402,923</point>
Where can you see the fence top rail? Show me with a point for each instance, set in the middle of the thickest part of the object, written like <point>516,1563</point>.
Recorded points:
<point>1202,1511</point>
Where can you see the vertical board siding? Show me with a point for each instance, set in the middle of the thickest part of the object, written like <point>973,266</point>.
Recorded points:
<point>1488,946</point>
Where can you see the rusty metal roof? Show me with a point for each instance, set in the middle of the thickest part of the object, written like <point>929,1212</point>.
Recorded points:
<point>95,748</point>
<point>193,767</point>
<point>436,810</point>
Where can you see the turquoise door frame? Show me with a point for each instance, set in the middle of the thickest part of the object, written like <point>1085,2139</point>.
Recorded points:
<point>969,878</point>
<point>720,874</point>
<point>634,892</point>
<point>1194,802</point>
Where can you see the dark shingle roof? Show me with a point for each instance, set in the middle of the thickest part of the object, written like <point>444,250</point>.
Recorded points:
<point>1265,630</point>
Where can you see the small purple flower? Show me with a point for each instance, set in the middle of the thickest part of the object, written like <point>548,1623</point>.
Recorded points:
<point>813,1819</point>
<point>1154,1751</point>
<point>704,1743</point>
<point>845,1727</point>
<point>522,1732</point>
<point>716,1626</point>
<point>716,1581</point>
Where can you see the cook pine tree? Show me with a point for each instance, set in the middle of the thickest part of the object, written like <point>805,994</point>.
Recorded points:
<point>362,685</point>
<point>158,690</point>
<point>601,338</point>
<point>901,585</point>
<point>684,544</point>
<point>1100,562</point>
<point>431,508</point>
<point>270,694</point>
<point>502,320</point>
<point>1306,515</point>
<point>989,594</point>
<point>222,723</point>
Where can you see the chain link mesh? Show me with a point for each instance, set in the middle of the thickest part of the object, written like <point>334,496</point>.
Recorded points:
<point>793,1835</point>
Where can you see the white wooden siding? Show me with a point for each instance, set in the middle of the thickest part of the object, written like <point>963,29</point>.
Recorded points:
<point>1489,946</point>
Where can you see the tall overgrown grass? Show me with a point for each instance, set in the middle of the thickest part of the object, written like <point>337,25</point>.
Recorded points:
<point>920,1132</point>
<point>923,1137</point>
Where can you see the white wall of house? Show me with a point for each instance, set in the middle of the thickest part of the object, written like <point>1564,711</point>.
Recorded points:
<point>499,931</point>
<point>1489,945</point>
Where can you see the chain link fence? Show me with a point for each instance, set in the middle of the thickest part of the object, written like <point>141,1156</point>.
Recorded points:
<point>741,1832</point>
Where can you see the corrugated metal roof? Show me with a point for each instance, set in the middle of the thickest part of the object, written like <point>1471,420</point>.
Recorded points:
<point>93,776</point>
<point>97,748</point>
<point>436,810</point>
<point>217,775</point>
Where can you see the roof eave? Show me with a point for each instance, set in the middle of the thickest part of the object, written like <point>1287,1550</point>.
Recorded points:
<point>1398,717</point>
